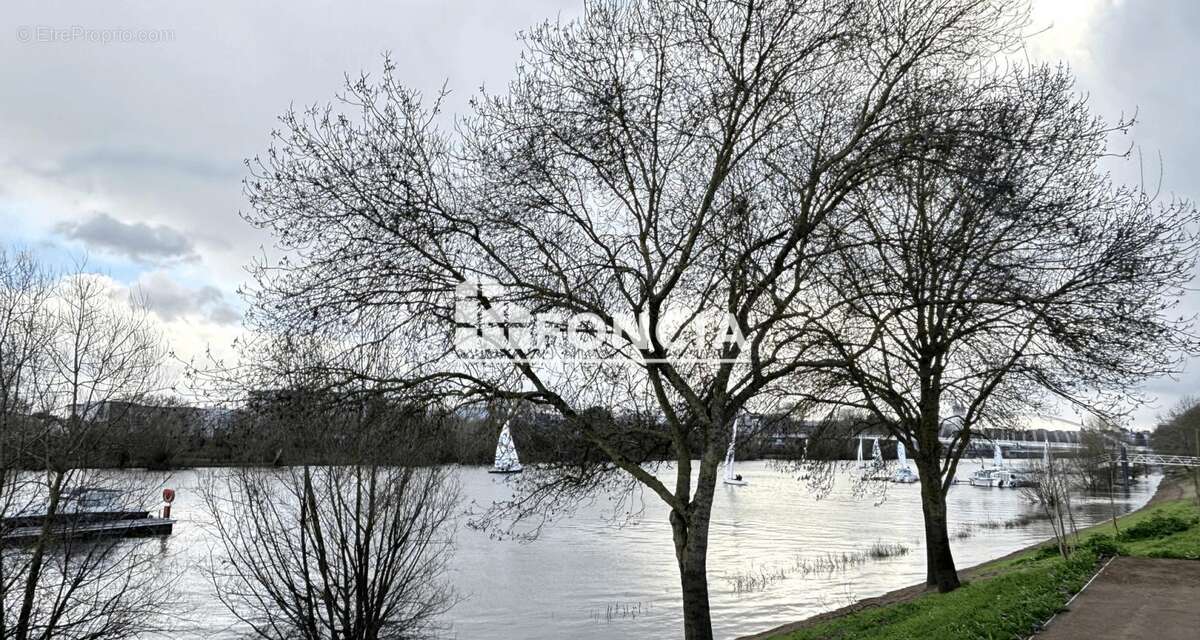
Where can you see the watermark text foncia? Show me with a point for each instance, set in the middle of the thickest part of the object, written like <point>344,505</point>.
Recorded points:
<point>491,326</point>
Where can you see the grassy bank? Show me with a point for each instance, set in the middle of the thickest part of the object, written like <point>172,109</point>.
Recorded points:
<point>1011,597</point>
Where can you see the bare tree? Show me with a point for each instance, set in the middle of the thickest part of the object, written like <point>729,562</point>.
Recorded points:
<point>87,351</point>
<point>998,269</point>
<point>350,550</point>
<point>25,290</point>
<point>652,160</point>
<point>1051,488</point>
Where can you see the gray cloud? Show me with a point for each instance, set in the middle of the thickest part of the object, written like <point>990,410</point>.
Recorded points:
<point>106,159</point>
<point>141,242</point>
<point>154,129</point>
<point>172,300</point>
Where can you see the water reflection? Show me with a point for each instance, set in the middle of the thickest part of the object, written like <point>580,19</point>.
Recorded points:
<point>586,578</point>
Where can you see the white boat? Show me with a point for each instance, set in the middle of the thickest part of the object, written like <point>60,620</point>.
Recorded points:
<point>732,477</point>
<point>1011,479</point>
<point>905,474</point>
<point>507,460</point>
<point>999,475</point>
<point>983,478</point>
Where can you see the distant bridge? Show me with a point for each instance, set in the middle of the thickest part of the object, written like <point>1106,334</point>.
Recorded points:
<point>1127,455</point>
<point>1160,459</point>
<point>1006,444</point>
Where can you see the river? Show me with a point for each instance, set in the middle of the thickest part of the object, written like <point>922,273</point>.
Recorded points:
<point>588,578</point>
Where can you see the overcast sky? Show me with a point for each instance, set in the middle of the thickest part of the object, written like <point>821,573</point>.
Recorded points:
<point>131,152</point>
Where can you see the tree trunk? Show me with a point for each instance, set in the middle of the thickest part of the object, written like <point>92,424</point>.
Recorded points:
<point>691,552</point>
<point>930,577</point>
<point>940,570</point>
<point>37,561</point>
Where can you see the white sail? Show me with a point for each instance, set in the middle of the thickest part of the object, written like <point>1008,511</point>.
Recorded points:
<point>506,453</point>
<point>876,454</point>
<point>860,458</point>
<point>729,454</point>
<point>903,474</point>
<point>997,456</point>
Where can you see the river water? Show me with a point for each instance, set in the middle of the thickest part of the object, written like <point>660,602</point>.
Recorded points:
<point>587,578</point>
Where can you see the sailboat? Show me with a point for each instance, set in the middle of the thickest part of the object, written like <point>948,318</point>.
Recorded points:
<point>731,477</point>
<point>875,469</point>
<point>861,464</point>
<point>506,453</point>
<point>905,474</point>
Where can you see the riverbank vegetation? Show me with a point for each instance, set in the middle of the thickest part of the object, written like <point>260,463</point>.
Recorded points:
<point>1012,597</point>
<point>761,578</point>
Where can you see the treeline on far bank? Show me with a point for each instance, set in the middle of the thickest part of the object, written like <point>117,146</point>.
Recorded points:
<point>280,428</point>
<point>273,428</point>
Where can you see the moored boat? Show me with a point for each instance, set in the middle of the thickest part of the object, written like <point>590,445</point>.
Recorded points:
<point>85,512</point>
<point>983,478</point>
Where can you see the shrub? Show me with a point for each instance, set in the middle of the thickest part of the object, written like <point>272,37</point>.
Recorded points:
<point>1104,545</point>
<point>1157,526</point>
<point>1048,551</point>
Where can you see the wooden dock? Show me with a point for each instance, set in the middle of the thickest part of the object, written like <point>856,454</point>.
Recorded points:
<point>90,529</point>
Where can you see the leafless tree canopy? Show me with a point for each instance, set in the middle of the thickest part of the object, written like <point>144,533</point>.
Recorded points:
<point>321,553</point>
<point>997,267</point>
<point>70,351</point>
<point>664,160</point>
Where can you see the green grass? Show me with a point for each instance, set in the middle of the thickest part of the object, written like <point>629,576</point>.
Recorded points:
<point>1015,595</point>
<point>1184,545</point>
<point>1004,606</point>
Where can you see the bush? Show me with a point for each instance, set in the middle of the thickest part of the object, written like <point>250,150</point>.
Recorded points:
<point>1048,551</point>
<point>1157,526</point>
<point>1104,545</point>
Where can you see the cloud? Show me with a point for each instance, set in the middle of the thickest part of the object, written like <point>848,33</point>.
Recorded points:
<point>146,160</point>
<point>138,241</point>
<point>150,130</point>
<point>171,300</point>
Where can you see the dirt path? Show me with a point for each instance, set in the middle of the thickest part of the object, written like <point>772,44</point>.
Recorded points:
<point>1134,598</point>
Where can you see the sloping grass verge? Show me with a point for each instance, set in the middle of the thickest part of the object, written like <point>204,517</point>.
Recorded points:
<point>1005,606</point>
<point>1019,594</point>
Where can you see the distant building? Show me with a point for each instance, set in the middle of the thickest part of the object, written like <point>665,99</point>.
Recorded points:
<point>204,421</point>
